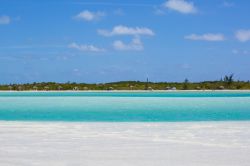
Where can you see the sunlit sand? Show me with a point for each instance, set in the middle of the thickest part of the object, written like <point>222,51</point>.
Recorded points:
<point>138,144</point>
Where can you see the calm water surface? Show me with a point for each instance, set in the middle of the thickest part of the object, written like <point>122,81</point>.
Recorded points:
<point>125,106</point>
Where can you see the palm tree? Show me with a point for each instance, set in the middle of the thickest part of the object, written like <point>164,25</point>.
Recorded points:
<point>75,88</point>
<point>185,85</point>
<point>146,86</point>
<point>228,80</point>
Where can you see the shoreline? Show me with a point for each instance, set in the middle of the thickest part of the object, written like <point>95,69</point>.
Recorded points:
<point>132,91</point>
<point>124,123</point>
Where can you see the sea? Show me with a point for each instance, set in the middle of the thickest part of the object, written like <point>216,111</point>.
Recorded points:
<point>117,106</point>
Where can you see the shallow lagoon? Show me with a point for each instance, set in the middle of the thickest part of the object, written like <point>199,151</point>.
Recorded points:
<point>125,106</point>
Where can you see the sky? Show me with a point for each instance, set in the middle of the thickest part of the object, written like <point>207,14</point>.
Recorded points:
<point>96,41</point>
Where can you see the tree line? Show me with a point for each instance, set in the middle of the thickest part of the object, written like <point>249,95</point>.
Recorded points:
<point>227,82</point>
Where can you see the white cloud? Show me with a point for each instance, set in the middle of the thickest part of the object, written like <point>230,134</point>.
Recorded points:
<point>135,44</point>
<point>243,35</point>
<point>206,37</point>
<point>159,11</point>
<point>235,51</point>
<point>228,4</point>
<point>181,6</point>
<point>242,52</point>
<point>119,12</point>
<point>5,20</point>
<point>124,30</point>
<point>87,48</point>
<point>89,16</point>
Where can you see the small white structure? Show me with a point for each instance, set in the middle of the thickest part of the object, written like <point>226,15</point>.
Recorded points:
<point>110,88</point>
<point>35,88</point>
<point>173,88</point>
<point>198,88</point>
<point>10,87</point>
<point>46,88</point>
<point>150,88</point>
<point>168,88</point>
<point>59,87</point>
<point>221,87</point>
<point>20,88</point>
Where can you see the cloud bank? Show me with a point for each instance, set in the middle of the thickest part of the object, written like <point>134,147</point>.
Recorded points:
<point>4,20</point>
<point>206,37</point>
<point>136,45</point>
<point>124,30</point>
<point>87,15</point>
<point>243,35</point>
<point>181,6</point>
<point>85,48</point>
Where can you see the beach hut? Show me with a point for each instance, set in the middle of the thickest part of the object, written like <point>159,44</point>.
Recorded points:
<point>85,88</point>
<point>10,87</point>
<point>221,87</point>
<point>20,88</point>
<point>46,88</point>
<point>35,88</point>
<point>110,88</point>
<point>173,88</point>
<point>168,88</point>
<point>131,87</point>
<point>59,87</point>
<point>198,88</point>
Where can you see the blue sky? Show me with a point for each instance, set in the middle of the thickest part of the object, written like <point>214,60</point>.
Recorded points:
<point>108,40</point>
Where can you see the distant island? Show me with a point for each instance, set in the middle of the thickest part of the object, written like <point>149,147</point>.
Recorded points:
<point>226,83</point>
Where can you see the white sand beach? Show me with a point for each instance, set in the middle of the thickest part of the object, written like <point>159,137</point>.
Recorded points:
<point>125,144</point>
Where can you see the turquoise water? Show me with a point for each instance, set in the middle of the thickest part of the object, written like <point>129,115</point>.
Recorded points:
<point>125,106</point>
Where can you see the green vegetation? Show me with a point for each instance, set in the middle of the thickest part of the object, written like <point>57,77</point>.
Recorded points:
<point>226,83</point>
